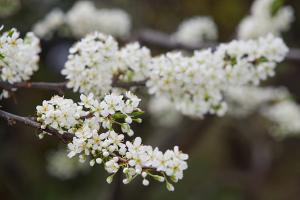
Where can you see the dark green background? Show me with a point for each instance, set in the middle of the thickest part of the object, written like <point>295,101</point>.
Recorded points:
<point>230,159</point>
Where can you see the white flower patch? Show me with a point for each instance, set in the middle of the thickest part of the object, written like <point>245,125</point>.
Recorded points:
<point>196,30</point>
<point>243,101</point>
<point>62,167</point>
<point>59,113</point>
<point>82,19</point>
<point>135,60</point>
<point>195,84</point>
<point>18,57</point>
<point>85,18</point>
<point>97,140</point>
<point>262,21</point>
<point>285,116</point>
<point>96,60</point>
<point>274,104</point>
<point>52,21</point>
<point>91,64</point>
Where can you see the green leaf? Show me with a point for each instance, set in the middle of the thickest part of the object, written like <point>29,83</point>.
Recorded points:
<point>137,113</point>
<point>276,5</point>
<point>260,60</point>
<point>118,116</point>
<point>10,33</point>
<point>232,60</point>
<point>1,56</point>
<point>137,120</point>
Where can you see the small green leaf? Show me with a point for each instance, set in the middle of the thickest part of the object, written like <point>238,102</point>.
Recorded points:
<point>10,33</point>
<point>262,60</point>
<point>118,116</point>
<point>137,113</point>
<point>232,60</point>
<point>1,56</point>
<point>137,120</point>
<point>276,5</point>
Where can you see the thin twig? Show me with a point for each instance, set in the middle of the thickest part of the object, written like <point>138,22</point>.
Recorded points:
<point>60,86</point>
<point>128,85</point>
<point>12,119</point>
<point>163,40</point>
<point>65,137</point>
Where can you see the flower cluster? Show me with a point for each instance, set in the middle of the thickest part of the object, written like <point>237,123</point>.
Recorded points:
<point>251,61</point>
<point>96,60</point>
<point>59,113</point>
<point>91,64</point>
<point>163,112</point>
<point>135,60</point>
<point>274,104</point>
<point>62,167</point>
<point>189,82</point>
<point>84,18</point>
<point>18,57</point>
<point>196,30</point>
<point>245,100</point>
<point>97,140</point>
<point>195,84</point>
<point>285,116</point>
<point>53,20</point>
<point>266,17</point>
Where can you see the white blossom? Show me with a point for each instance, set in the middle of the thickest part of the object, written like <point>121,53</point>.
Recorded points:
<point>59,113</point>
<point>274,104</point>
<point>53,20</point>
<point>91,64</point>
<point>85,18</point>
<point>285,116</point>
<point>262,21</point>
<point>62,167</point>
<point>163,112</point>
<point>101,144</point>
<point>18,57</point>
<point>196,30</point>
<point>243,101</point>
<point>195,84</point>
<point>96,60</point>
<point>135,60</point>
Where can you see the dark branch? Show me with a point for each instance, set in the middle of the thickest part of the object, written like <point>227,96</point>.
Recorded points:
<point>65,137</point>
<point>128,85</point>
<point>12,119</point>
<point>163,40</point>
<point>60,87</point>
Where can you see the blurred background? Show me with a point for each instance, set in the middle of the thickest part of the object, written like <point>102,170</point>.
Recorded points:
<point>230,158</point>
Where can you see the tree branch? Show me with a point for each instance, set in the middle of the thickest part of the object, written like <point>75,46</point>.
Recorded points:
<point>58,87</point>
<point>163,40</point>
<point>65,137</point>
<point>12,119</point>
<point>61,86</point>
